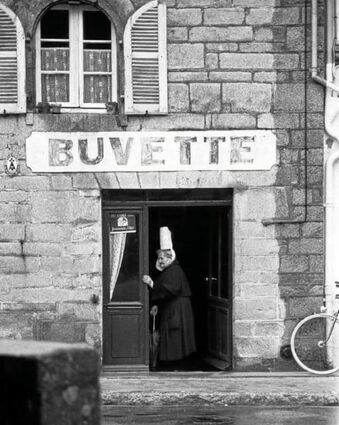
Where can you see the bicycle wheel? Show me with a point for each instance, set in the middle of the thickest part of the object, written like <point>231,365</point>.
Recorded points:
<point>313,348</point>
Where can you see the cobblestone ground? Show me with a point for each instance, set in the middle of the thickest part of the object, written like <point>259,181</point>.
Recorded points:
<point>208,415</point>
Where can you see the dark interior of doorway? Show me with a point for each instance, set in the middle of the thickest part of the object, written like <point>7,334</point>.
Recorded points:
<point>190,227</point>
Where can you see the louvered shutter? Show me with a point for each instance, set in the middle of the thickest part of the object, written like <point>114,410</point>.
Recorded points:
<point>145,46</point>
<point>12,63</point>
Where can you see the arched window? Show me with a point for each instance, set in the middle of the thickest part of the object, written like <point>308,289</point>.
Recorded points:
<point>76,61</point>
<point>12,63</point>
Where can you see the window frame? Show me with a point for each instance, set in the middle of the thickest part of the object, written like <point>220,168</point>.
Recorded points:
<point>76,72</point>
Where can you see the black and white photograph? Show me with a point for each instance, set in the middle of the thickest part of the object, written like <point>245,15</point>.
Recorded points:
<point>169,212</point>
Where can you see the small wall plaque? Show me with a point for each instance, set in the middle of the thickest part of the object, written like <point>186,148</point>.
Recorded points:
<point>11,166</point>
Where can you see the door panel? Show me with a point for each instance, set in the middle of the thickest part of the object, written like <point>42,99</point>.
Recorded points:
<point>218,318</point>
<point>219,284</point>
<point>125,349</point>
<point>125,302</point>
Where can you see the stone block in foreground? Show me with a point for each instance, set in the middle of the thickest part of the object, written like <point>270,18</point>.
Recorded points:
<point>46,383</point>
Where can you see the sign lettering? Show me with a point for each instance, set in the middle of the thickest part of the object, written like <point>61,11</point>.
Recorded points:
<point>151,151</point>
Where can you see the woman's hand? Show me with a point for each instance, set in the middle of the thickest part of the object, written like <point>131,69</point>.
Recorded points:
<point>154,310</point>
<point>147,279</point>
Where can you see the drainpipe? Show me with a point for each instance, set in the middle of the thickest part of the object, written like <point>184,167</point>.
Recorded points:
<point>330,106</point>
<point>329,286</point>
<point>314,67</point>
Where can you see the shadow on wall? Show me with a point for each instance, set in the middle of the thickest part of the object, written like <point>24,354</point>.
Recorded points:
<point>287,270</point>
<point>297,116</point>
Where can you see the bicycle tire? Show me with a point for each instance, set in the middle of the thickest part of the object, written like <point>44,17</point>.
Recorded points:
<point>307,348</point>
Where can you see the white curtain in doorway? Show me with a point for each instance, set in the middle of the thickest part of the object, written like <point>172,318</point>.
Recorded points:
<point>117,249</point>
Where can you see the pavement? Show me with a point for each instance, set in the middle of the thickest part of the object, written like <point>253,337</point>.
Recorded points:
<point>217,414</point>
<point>220,388</point>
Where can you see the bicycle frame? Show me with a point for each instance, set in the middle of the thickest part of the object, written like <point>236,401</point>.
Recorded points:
<point>332,327</point>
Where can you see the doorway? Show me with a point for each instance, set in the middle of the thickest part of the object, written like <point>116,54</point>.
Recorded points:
<point>202,239</point>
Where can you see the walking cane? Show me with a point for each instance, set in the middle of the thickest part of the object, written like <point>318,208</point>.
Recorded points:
<point>154,339</point>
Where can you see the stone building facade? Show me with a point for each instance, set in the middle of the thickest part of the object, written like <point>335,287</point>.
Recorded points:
<point>232,66</point>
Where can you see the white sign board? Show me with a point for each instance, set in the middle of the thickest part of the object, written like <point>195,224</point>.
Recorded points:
<point>150,151</point>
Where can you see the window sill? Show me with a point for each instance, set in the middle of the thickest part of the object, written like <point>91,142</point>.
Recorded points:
<point>76,111</point>
<point>99,111</point>
<point>84,111</point>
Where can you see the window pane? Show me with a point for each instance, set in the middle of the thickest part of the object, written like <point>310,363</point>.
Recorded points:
<point>54,24</point>
<point>55,59</point>
<point>54,43</point>
<point>55,88</point>
<point>97,46</point>
<point>214,283</point>
<point>96,26</point>
<point>97,60</point>
<point>225,276</point>
<point>57,63</point>
<point>125,263</point>
<point>97,88</point>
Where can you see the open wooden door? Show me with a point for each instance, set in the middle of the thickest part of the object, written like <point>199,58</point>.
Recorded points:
<point>125,300</point>
<point>218,283</point>
<point>200,221</point>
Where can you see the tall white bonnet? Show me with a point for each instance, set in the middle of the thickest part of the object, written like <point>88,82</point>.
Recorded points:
<point>165,238</point>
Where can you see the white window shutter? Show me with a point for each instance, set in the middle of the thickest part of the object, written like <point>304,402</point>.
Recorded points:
<point>12,63</point>
<point>145,48</point>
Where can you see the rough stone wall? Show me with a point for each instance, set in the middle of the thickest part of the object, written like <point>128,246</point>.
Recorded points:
<point>232,64</point>
<point>49,383</point>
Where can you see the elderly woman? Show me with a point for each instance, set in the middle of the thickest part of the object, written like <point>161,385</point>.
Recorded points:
<point>171,291</point>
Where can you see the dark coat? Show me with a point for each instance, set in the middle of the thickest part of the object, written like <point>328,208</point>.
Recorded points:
<point>172,293</point>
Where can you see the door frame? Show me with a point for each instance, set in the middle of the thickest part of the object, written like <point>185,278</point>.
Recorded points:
<point>143,199</point>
